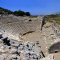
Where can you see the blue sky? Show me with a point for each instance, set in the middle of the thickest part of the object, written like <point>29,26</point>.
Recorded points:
<point>36,7</point>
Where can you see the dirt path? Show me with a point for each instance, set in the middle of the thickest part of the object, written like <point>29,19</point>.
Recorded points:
<point>36,36</point>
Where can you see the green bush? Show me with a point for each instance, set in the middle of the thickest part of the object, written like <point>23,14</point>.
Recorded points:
<point>5,11</point>
<point>27,14</point>
<point>19,13</point>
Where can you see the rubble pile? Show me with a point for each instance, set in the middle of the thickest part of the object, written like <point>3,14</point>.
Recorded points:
<point>19,50</point>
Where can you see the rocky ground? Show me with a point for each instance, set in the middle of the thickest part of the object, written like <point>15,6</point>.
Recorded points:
<point>19,50</point>
<point>25,38</point>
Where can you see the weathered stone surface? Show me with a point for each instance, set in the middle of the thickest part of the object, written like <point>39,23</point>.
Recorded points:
<point>34,37</point>
<point>19,50</point>
<point>16,26</point>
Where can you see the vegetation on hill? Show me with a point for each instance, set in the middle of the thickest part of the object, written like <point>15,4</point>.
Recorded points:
<point>53,17</point>
<point>5,11</point>
<point>17,13</point>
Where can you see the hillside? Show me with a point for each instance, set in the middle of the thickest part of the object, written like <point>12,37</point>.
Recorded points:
<point>17,13</point>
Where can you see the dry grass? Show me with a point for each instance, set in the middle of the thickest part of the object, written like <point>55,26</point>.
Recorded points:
<point>51,19</point>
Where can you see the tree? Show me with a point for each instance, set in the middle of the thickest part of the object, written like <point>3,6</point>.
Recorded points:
<point>19,13</point>
<point>27,14</point>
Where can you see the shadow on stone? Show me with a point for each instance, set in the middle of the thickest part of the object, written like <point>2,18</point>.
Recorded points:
<point>55,48</point>
<point>28,32</point>
<point>1,36</point>
<point>6,41</point>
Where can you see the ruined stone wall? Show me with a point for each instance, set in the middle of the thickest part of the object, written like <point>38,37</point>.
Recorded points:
<point>16,26</point>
